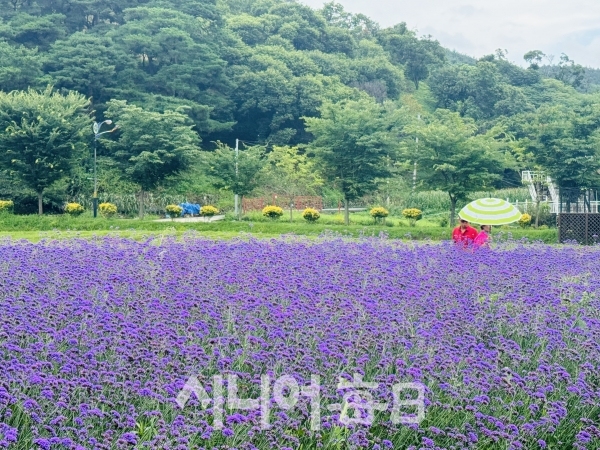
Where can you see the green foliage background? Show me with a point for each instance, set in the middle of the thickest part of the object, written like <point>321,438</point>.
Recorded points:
<point>199,74</point>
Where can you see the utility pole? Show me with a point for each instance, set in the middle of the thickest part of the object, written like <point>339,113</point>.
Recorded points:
<point>387,200</point>
<point>95,197</point>
<point>415,165</point>
<point>96,129</point>
<point>415,168</point>
<point>236,206</point>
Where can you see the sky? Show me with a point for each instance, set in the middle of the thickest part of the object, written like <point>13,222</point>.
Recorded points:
<point>479,27</point>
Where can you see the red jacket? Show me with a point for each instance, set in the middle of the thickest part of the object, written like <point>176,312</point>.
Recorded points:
<point>467,237</point>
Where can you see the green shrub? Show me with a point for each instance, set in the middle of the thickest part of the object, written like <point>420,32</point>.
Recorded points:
<point>107,210</point>
<point>208,211</point>
<point>6,206</point>
<point>272,212</point>
<point>74,209</point>
<point>311,215</point>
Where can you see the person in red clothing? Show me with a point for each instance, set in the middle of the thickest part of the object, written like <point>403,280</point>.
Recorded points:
<point>464,234</point>
<point>483,238</point>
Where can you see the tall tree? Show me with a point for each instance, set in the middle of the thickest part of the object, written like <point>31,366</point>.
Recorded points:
<point>33,31</point>
<point>452,157</point>
<point>566,142</point>
<point>417,55</point>
<point>534,58</point>
<point>87,63</point>
<point>290,172</point>
<point>351,140</point>
<point>569,72</point>
<point>235,171</point>
<point>151,146</point>
<point>21,67</point>
<point>42,134</point>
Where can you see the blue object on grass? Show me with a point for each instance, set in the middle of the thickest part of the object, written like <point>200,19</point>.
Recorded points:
<point>190,208</point>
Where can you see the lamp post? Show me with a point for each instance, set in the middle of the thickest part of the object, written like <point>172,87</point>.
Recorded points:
<point>96,128</point>
<point>236,197</point>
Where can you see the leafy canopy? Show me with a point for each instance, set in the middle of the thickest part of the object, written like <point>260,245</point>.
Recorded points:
<point>151,146</point>
<point>42,135</point>
<point>452,157</point>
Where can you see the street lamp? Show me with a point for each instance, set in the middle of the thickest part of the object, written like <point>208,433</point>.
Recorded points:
<point>96,128</point>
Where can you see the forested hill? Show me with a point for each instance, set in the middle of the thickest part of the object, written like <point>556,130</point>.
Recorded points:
<point>249,69</point>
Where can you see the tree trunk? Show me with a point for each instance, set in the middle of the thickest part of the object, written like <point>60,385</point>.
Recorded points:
<point>40,204</point>
<point>452,210</point>
<point>537,212</point>
<point>346,212</point>
<point>141,208</point>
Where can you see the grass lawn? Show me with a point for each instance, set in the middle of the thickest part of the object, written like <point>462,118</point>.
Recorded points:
<point>61,226</point>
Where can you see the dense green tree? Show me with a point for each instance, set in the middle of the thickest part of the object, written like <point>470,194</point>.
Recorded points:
<point>34,31</point>
<point>301,25</point>
<point>251,69</point>
<point>359,25</point>
<point>351,140</point>
<point>151,146</point>
<point>87,63</point>
<point>175,52</point>
<point>483,91</point>
<point>205,9</point>
<point>21,67</point>
<point>252,30</point>
<point>452,157</point>
<point>569,72</point>
<point>42,135</point>
<point>238,171</point>
<point>566,142</point>
<point>534,58</point>
<point>417,56</point>
<point>274,92</point>
<point>291,173</point>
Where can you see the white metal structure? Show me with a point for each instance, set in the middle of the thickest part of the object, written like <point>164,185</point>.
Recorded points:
<point>533,180</point>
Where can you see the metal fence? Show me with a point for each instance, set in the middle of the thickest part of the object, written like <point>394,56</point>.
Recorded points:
<point>576,200</point>
<point>583,228</point>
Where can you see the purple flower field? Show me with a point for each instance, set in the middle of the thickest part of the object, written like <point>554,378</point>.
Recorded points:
<point>98,337</point>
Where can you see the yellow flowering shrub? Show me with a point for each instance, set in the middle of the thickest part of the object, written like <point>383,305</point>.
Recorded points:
<point>74,209</point>
<point>208,211</point>
<point>6,206</point>
<point>173,210</point>
<point>379,212</point>
<point>272,212</point>
<point>525,220</point>
<point>107,209</point>
<point>311,215</point>
<point>412,214</point>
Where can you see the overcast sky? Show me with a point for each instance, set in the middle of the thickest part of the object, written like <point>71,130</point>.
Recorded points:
<point>478,28</point>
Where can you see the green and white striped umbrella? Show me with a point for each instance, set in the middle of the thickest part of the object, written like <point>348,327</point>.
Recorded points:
<point>490,211</point>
